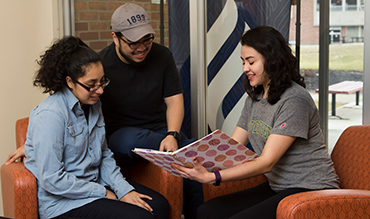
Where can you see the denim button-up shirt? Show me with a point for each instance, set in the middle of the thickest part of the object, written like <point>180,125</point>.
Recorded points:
<point>69,156</point>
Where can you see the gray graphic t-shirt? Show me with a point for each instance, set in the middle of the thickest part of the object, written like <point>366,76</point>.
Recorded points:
<point>307,163</point>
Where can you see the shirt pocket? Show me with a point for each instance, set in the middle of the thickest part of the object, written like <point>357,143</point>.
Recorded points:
<point>100,131</point>
<point>75,139</point>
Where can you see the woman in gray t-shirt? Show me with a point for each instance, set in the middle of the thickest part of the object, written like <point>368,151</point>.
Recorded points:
<point>281,122</point>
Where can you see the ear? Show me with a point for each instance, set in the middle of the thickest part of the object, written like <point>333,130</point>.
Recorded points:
<point>70,83</point>
<point>115,39</point>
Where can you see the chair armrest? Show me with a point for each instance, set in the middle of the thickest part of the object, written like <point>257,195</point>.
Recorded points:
<point>210,191</point>
<point>19,190</point>
<point>161,181</point>
<point>332,203</point>
<point>21,127</point>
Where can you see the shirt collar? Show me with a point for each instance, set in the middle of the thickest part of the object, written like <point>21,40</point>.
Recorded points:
<point>71,99</point>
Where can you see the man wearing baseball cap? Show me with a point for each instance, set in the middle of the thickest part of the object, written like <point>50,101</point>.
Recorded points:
<point>143,105</point>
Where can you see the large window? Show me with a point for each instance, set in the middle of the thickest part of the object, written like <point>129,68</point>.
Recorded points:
<point>346,51</point>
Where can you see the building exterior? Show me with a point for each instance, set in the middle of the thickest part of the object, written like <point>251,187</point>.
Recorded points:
<point>92,20</point>
<point>346,21</point>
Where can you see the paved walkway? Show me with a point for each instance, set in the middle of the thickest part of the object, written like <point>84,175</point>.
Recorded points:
<point>351,114</point>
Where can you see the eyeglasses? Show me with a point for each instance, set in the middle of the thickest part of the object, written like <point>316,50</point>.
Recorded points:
<point>94,87</point>
<point>135,45</point>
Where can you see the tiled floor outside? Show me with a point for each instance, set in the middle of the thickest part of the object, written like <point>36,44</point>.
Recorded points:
<point>351,114</point>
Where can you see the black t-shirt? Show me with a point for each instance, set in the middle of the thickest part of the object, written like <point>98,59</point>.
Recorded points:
<point>135,95</point>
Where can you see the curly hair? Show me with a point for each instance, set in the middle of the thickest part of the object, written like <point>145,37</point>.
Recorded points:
<point>280,63</point>
<point>68,56</point>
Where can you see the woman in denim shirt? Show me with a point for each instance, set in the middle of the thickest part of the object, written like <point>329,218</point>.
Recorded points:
<point>66,149</point>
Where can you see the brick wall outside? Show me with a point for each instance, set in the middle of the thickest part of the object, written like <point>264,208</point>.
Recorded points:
<point>92,20</point>
<point>309,33</point>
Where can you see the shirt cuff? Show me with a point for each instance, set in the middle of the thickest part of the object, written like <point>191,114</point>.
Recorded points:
<point>98,191</point>
<point>123,188</point>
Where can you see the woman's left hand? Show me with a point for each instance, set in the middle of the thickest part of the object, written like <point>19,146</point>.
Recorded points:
<point>197,173</point>
<point>136,198</point>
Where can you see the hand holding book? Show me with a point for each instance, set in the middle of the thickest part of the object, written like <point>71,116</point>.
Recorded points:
<point>215,151</point>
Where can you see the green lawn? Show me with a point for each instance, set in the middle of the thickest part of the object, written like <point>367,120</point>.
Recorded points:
<point>348,56</point>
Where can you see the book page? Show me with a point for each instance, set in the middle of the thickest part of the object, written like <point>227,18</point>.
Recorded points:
<point>215,151</point>
<point>161,159</point>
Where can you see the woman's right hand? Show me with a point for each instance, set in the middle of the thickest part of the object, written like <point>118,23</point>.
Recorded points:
<point>136,198</point>
<point>198,172</point>
<point>17,154</point>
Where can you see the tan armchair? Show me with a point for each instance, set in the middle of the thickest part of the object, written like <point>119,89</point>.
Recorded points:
<point>351,157</point>
<point>19,187</point>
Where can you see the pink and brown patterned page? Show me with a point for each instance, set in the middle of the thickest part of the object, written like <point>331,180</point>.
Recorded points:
<point>215,151</point>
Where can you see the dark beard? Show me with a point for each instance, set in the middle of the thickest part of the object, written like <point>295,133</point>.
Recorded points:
<point>129,60</point>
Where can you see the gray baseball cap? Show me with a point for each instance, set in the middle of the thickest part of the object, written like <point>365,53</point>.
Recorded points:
<point>132,21</point>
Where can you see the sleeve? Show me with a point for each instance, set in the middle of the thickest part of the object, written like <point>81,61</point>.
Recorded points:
<point>243,119</point>
<point>111,175</point>
<point>172,82</point>
<point>293,118</point>
<point>45,148</point>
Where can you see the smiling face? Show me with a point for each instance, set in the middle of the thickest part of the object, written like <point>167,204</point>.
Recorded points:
<point>129,55</point>
<point>94,75</point>
<point>253,67</point>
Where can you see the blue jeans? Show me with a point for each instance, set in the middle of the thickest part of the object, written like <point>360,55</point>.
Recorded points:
<point>124,140</point>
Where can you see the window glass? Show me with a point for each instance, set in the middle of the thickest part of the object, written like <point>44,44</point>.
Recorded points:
<point>351,5</point>
<point>336,5</point>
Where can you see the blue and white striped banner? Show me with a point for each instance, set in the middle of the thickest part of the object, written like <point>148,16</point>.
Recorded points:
<point>227,20</point>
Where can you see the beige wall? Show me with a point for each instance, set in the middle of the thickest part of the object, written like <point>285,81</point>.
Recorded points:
<point>26,30</point>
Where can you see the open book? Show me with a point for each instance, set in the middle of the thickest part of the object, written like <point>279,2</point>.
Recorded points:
<point>215,151</point>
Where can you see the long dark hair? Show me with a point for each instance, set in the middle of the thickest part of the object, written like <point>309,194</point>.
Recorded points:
<point>68,56</point>
<point>280,64</point>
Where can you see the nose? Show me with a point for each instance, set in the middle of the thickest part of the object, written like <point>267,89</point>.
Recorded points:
<point>141,47</point>
<point>245,68</point>
<point>100,90</point>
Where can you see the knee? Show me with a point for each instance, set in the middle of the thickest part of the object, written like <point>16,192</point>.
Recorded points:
<point>121,143</point>
<point>165,205</point>
<point>203,212</point>
<point>210,210</point>
<point>160,206</point>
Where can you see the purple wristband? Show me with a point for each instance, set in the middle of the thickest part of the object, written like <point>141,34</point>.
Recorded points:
<point>218,178</point>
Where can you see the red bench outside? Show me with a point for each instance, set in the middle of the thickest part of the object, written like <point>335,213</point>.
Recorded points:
<point>344,87</point>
